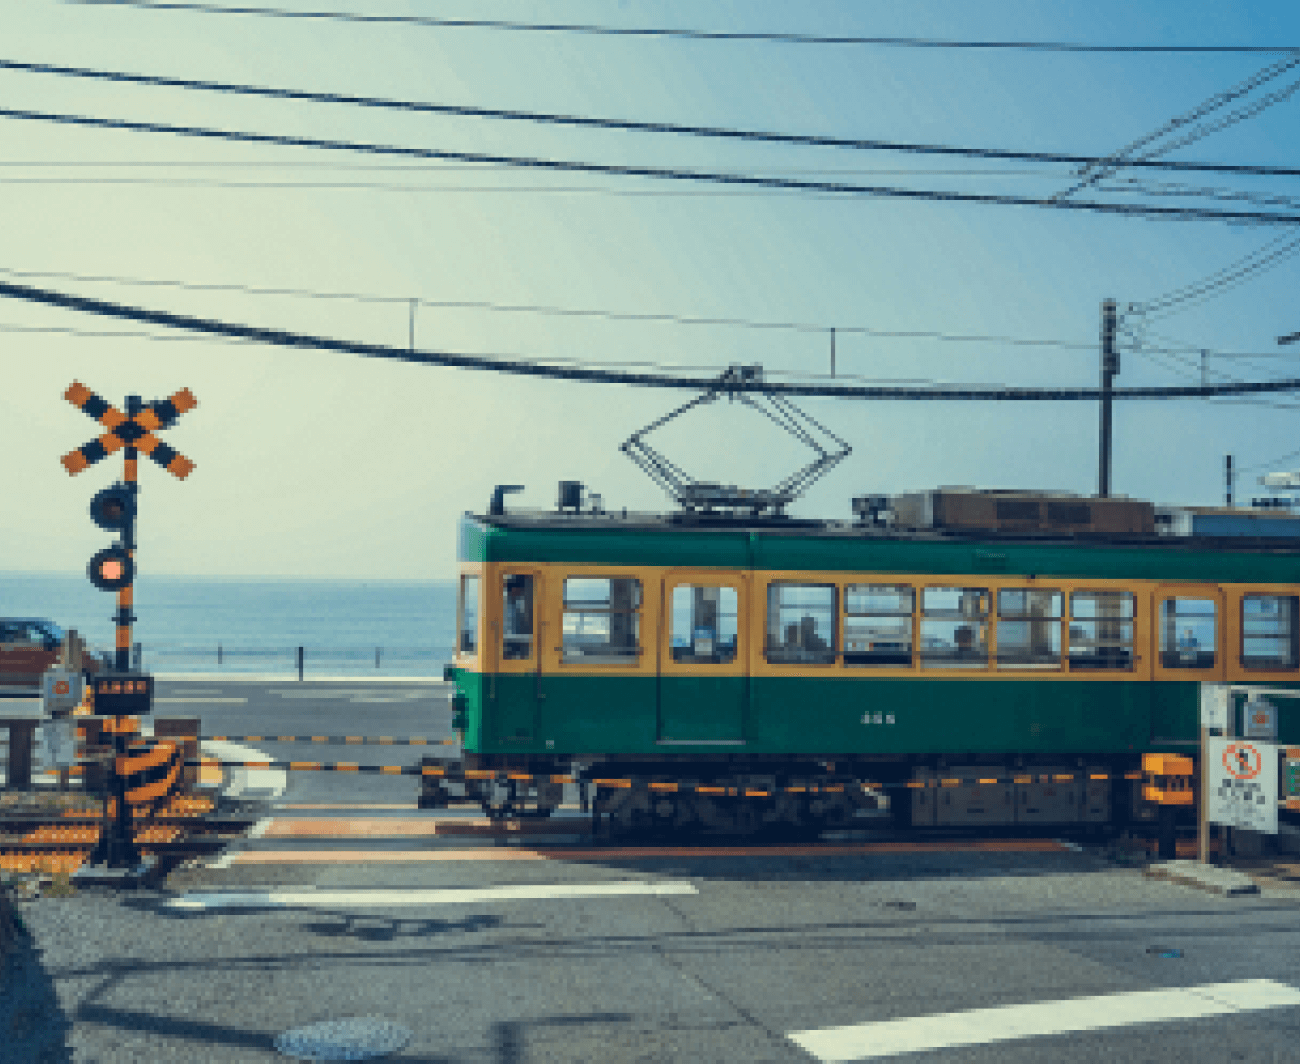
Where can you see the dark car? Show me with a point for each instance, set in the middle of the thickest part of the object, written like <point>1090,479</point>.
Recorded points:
<point>29,646</point>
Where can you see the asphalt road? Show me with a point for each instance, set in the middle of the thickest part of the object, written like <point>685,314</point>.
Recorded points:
<point>503,955</point>
<point>401,709</point>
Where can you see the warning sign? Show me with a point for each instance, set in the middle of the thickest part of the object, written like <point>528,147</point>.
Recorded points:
<point>1243,784</point>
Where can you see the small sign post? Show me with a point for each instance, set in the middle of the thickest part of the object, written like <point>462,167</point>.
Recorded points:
<point>1243,785</point>
<point>1216,699</point>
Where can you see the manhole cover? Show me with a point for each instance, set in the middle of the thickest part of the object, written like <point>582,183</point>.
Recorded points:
<point>360,1038</point>
<point>1164,951</point>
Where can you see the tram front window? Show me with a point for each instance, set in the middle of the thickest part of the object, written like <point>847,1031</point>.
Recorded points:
<point>1029,628</point>
<point>517,617</point>
<point>601,620</point>
<point>467,615</point>
<point>1269,635</point>
<point>801,624</point>
<point>1101,630</point>
<point>878,625</point>
<point>1187,633</point>
<point>954,627</point>
<point>704,625</point>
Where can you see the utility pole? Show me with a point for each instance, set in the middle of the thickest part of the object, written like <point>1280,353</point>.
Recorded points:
<point>1227,475</point>
<point>1109,367</point>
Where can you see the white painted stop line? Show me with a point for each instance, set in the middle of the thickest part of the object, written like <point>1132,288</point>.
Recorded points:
<point>915,1034</point>
<point>381,899</point>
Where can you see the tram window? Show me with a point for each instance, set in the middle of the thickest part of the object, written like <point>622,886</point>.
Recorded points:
<point>704,625</point>
<point>878,624</point>
<point>1187,633</point>
<point>517,617</point>
<point>954,627</point>
<point>1029,628</point>
<point>801,624</point>
<point>1101,630</point>
<point>467,612</point>
<point>1270,638</point>
<point>601,620</point>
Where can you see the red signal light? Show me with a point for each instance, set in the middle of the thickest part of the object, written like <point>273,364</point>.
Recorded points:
<point>111,569</point>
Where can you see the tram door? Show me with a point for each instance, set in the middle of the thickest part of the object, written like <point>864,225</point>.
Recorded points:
<point>1187,643</point>
<point>703,681</point>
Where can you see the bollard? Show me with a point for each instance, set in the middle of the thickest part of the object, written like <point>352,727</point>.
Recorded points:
<point>1168,840</point>
<point>218,654</point>
<point>21,736</point>
<point>300,663</point>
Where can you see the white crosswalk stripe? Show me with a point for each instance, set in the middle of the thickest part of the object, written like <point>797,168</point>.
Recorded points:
<point>914,1034</point>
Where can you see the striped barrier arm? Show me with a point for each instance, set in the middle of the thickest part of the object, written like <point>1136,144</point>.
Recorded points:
<point>504,776</point>
<point>335,740</point>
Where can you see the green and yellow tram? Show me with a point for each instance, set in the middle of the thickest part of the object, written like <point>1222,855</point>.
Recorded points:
<point>734,673</point>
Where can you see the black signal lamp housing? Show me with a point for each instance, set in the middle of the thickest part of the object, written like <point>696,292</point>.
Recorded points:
<point>113,508</point>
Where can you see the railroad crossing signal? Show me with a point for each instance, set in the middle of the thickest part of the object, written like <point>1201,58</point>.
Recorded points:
<point>122,693</point>
<point>136,431</point>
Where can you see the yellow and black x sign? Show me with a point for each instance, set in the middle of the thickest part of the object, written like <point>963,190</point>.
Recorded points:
<point>123,431</point>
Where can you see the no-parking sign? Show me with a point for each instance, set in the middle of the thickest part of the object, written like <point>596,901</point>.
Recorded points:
<point>1243,784</point>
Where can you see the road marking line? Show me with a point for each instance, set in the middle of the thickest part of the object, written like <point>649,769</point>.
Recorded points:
<point>548,851</point>
<point>915,1034</point>
<point>221,699</point>
<point>448,896</point>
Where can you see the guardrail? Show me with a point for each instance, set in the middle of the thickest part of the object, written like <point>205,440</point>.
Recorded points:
<point>430,659</point>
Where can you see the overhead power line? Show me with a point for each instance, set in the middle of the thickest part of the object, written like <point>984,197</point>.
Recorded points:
<point>1093,173</point>
<point>625,125</point>
<point>1271,255</point>
<point>593,29</point>
<point>654,173</point>
<point>551,310</point>
<point>304,341</point>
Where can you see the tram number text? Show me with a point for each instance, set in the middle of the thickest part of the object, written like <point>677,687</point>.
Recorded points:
<point>877,718</point>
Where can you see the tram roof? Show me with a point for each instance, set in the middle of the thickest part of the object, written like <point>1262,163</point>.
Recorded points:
<point>696,541</point>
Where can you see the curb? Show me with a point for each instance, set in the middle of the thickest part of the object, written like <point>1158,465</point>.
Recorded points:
<point>1204,877</point>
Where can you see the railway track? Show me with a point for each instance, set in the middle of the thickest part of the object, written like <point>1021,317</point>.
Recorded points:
<point>54,843</point>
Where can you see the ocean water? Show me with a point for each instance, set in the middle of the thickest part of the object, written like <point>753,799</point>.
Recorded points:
<point>257,622</point>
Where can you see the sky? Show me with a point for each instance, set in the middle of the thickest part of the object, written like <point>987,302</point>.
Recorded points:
<point>321,464</point>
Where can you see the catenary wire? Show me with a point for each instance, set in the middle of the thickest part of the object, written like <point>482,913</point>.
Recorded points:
<point>377,186</point>
<point>303,341</point>
<point>1164,188</point>
<point>139,334</point>
<point>655,173</point>
<point>1194,369</point>
<point>586,121</point>
<point>552,310</point>
<point>1271,254</point>
<point>1092,173</point>
<point>689,34</point>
